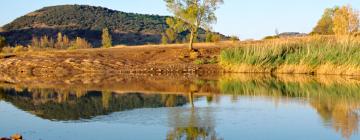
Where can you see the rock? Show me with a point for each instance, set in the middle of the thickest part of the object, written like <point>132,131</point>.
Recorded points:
<point>16,137</point>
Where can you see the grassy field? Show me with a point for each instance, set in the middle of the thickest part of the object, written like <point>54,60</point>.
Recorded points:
<point>306,55</point>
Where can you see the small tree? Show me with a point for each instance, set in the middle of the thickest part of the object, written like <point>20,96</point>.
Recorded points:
<point>2,42</point>
<point>35,43</point>
<point>215,38</point>
<point>208,36</point>
<point>106,38</point>
<point>59,41</point>
<point>66,42</point>
<point>234,38</point>
<point>164,39</point>
<point>325,25</point>
<point>193,14</point>
<point>44,42</point>
<point>346,21</point>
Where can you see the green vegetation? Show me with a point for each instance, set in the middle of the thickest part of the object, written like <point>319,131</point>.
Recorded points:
<point>88,22</point>
<point>90,17</point>
<point>63,105</point>
<point>325,24</point>
<point>211,37</point>
<point>193,14</point>
<point>333,54</point>
<point>2,42</point>
<point>106,38</point>
<point>45,43</point>
<point>338,20</point>
<point>336,99</point>
<point>289,86</point>
<point>62,42</point>
<point>320,55</point>
<point>80,43</point>
<point>205,61</point>
<point>199,62</point>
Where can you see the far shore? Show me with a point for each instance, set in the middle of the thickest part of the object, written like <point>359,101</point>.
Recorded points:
<point>279,56</point>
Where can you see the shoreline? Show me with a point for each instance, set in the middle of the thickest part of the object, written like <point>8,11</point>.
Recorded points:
<point>148,59</point>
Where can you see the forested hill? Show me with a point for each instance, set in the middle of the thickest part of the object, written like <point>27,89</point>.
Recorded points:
<point>87,22</point>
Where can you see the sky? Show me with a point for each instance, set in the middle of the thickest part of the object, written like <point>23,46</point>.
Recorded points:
<point>247,19</point>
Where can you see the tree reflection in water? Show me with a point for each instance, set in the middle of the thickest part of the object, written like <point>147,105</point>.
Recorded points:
<point>191,124</point>
<point>73,105</point>
<point>336,100</point>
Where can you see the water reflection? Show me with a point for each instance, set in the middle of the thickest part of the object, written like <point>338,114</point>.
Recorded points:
<point>335,99</point>
<point>66,106</point>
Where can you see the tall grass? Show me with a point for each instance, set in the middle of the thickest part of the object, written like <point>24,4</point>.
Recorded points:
<point>316,54</point>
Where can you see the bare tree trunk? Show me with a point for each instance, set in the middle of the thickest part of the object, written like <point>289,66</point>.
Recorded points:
<point>191,41</point>
<point>191,99</point>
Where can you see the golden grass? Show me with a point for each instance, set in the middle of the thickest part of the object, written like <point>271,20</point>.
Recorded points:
<point>301,55</point>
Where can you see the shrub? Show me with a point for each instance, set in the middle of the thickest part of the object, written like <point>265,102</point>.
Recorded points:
<point>19,48</point>
<point>79,43</point>
<point>199,62</point>
<point>2,42</point>
<point>106,39</point>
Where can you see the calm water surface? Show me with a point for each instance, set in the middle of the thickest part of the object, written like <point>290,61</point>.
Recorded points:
<point>223,107</point>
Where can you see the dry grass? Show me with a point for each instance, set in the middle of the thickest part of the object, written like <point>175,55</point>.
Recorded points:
<point>305,55</point>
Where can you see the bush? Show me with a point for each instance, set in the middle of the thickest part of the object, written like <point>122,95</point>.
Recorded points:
<point>80,43</point>
<point>19,48</point>
<point>2,42</point>
<point>7,50</point>
<point>234,38</point>
<point>106,38</point>
<point>199,62</point>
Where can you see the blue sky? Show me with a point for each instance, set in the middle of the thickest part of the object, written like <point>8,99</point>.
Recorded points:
<point>243,18</point>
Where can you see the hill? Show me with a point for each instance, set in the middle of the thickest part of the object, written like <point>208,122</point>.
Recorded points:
<point>87,22</point>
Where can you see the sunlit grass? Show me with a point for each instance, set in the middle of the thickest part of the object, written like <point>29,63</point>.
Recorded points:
<point>316,54</point>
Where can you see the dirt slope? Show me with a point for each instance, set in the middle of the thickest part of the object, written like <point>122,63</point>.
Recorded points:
<point>122,59</point>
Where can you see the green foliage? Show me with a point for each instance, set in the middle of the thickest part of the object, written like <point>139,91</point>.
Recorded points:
<point>2,42</point>
<point>80,43</point>
<point>90,17</point>
<point>62,41</point>
<point>164,39</point>
<point>271,37</point>
<point>208,36</point>
<point>312,53</point>
<point>274,87</point>
<point>234,38</point>
<point>199,62</point>
<point>106,38</point>
<point>11,50</point>
<point>19,48</point>
<point>205,61</point>
<point>215,38</point>
<point>89,21</point>
<point>193,14</point>
<point>325,24</point>
<point>83,107</point>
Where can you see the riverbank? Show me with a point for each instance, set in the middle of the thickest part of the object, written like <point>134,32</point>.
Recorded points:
<point>305,55</point>
<point>120,59</point>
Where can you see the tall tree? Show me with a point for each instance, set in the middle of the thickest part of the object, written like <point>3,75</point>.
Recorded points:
<point>346,21</point>
<point>106,38</point>
<point>325,24</point>
<point>194,14</point>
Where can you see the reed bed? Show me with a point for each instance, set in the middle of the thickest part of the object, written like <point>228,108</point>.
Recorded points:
<point>306,55</point>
